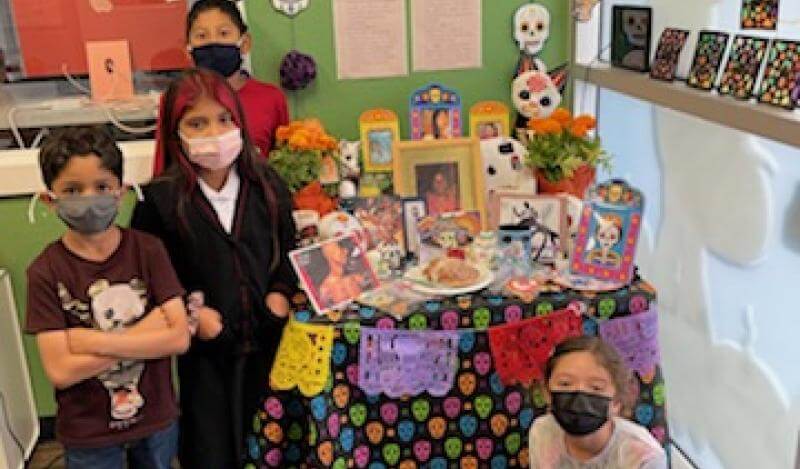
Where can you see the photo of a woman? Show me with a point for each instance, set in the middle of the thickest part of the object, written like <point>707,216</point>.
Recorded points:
<point>441,124</point>
<point>438,184</point>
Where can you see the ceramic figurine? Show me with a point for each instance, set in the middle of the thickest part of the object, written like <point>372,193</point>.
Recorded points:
<point>536,95</point>
<point>531,30</point>
<point>349,154</point>
<point>504,166</point>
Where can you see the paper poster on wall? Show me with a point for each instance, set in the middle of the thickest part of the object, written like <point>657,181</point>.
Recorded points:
<point>446,34</point>
<point>370,37</point>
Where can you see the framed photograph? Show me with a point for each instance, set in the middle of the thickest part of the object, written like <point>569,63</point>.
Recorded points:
<point>446,174</point>
<point>447,235</point>
<point>435,113</point>
<point>334,273</point>
<point>711,47</point>
<point>631,37</point>
<point>608,232</point>
<point>379,129</point>
<point>544,215</point>
<point>414,209</point>
<point>489,119</point>
<point>668,53</point>
<point>382,220</point>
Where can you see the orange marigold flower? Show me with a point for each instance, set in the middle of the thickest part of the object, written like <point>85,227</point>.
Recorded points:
<point>562,115</point>
<point>552,126</point>
<point>282,133</point>
<point>578,130</point>
<point>587,121</point>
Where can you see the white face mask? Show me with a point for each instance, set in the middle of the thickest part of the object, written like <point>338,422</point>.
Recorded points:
<point>214,152</point>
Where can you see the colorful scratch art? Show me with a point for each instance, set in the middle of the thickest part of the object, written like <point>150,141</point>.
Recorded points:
<point>636,339</point>
<point>407,363</point>
<point>780,77</point>
<point>744,62</point>
<point>668,53</point>
<point>708,57</point>
<point>760,14</point>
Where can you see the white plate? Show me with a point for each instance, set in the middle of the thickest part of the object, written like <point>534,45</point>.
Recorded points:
<point>420,284</point>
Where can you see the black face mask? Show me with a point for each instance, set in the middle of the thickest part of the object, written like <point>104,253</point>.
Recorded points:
<point>580,413</point>
<point>225,59</point>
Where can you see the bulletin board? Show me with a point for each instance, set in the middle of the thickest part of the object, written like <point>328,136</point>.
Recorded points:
<point>339,103</point>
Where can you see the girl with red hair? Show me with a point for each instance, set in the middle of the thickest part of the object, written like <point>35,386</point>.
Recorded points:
<point>225,219</point>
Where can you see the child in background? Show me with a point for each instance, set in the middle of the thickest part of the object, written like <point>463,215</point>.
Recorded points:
<point>217,37</point>
<point>106,308</point>
<point>585,379</point>
<point>226,220</point>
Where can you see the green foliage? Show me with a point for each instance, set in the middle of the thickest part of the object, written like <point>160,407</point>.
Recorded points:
<point>557,156</point>
<point>297,168</point>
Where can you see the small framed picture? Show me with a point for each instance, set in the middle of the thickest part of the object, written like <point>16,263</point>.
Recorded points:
<point>379,129</point>
<point>435,113</point>
<point>608,232</point>
<point>711,47</point>
<point>544,215</point>
<point>382,219</point>
<point>334,273</point>
<point>760,14</point>
<point>447,174</point>
<point>413,210</point>
<point>489,119</point>
<point>631,37</point>
<point>741,71</point>
<point>668,53</point>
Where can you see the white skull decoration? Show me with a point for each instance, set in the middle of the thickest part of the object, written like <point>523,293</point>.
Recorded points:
<point>635,23</point>
<point>531,28</point>
<point>290,7</point>
<point>504,166</point>
<point>535,95</point>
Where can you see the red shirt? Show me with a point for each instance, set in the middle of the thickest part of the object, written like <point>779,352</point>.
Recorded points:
<point>265,110</point>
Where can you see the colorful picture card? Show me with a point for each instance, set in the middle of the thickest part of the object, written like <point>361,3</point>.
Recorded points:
<point>780,77</point>
<point>435,113</point>
<point>744,63</point>
<point>708,56</point>
<point>760,14</point>
<point>382,220</point>
<point>668,53</point>
<point>447,234</point>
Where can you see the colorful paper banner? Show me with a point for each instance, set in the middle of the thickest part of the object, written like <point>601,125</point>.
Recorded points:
<point>303,358</point>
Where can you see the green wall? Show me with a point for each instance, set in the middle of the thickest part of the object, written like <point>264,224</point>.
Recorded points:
<point>337,103</point>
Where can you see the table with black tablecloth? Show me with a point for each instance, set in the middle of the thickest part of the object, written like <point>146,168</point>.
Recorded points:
<point>479,423</point>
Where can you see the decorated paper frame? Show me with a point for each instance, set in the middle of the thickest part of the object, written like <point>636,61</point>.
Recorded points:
<point>489,119</point>
<point>430,103</point>
<point>416,161</point>
<point>413,209</point>
<point>531,215</point>
<point>309,263</point>
<point>379,129</point>
<point>608,232</point>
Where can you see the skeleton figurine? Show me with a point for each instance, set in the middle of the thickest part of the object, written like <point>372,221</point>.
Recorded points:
<point>349,153</point>
<point>535,96</point>
<point>531,30</point>
<point>636,25</point>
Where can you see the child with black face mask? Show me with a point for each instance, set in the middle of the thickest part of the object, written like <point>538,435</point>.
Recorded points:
<point>585,379</point>
<point>216,39</point>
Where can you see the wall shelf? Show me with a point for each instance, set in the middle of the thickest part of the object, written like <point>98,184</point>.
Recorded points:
<point>758,119</point>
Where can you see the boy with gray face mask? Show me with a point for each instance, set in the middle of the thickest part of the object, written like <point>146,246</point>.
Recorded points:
<point>107,311</point>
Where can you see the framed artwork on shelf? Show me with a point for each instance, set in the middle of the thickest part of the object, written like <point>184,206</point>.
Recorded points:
<point>414,210</point>
<point>435,113</point>
<point>489,119</point>
<point>446,174</point>
<point>631,37</point>
<point>760,14</point>
<point>668,53</point>
<point>379,129</point>
<point>711,47</point>
<point>608,232</point>
<point>744,64</point>
<point>780,77</point>
<point>544,215</point>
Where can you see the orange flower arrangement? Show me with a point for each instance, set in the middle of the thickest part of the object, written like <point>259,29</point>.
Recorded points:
<point>305,135</point>
<point>561,120</point>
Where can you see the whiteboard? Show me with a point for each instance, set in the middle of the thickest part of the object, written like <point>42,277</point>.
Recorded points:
<point>15,386</point>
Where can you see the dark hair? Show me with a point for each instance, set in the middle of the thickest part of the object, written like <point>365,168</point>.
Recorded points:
<point>182,94</point>
<point>69,142</point>
<point>436,114</point>
<point>606,356</point>
<point>227,7</point>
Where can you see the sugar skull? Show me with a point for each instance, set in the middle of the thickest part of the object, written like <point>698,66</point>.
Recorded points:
<point>466,383</point>
<point>464,301</point>
<point>333,425</point>
<point>374,432</point>
<point>273,432</point>
<point>659,394</point>
<point>318,408</point>
<point>538,397</point>
<point>273,457</point>
<point>293,453</point>
<point>449,320</point>
<point>325,453</point>
<point>422,450</point>
<point>513,313</point>
<point>352,374</point>
<point>341,394</point>
<point>389,413</point>
<point>295,432</point>
<point>437,427</point>
<point>432,306</point>
<point>483,406</point>
<point>525,418</point>
<point>347,438</point>
<point>496,383</point>
<point>536,94</point>
<point>290,7</point>
<point>512,443</point>
<point>644,414</point>
<point>407,464</point>
<point>352,330</point>
<point>418,322</point>
<point>420,409</point>
<point>438,463</point>
<point>638,304</point>
<point>469,462</point>
<point>481,318</point>
<point>483,363</point>
<point>544,308</point>
<point>499,462</point>
<point>361,456</point>
<point>391,453</point>
<point>466,341</point>
<point>499,424</point>
<point>484,447</point>
<point>524,457</point>
<point>531,28</point>
<point>589,327</point>
<point>452,406</point>
<point>274,408</point>
<point>513,402</point>
<point>453,447</point>
<point>385,323</point>
<point>339,353</point>
<point>468,424</point>
<point>606,307</point>
<point>358,414</point>
<point>405,430</point>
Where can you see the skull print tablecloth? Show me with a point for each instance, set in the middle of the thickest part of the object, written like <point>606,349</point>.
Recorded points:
<point>479,423</point>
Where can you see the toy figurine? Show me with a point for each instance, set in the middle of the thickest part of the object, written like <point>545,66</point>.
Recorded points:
<point>531,30</point>
<point>536,95</point>
<point>350,172</point>
<point>504,166</point>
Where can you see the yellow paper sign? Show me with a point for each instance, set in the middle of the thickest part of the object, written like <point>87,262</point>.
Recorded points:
<point>303,358</point>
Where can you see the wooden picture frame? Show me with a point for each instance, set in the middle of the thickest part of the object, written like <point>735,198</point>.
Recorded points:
<point>489,119</point>
<point>447,174</point>
<point>379,129</point>
<point>545,215</point>
<point>427,106</point>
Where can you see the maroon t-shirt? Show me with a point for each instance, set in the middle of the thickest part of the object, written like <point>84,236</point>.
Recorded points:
<point>134,398</point>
